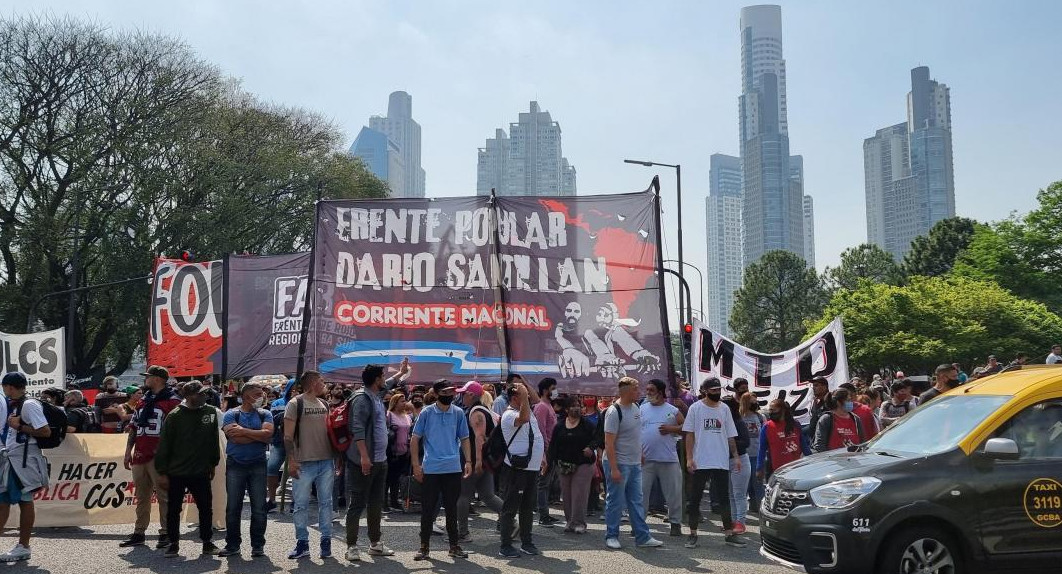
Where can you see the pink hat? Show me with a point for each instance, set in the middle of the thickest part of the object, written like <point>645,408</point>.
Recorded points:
<point>899,375</point>
<point>472,387</point>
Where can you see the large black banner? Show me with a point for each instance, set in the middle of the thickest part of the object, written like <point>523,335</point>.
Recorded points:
<point>265,298</point>
<point>469,288</point>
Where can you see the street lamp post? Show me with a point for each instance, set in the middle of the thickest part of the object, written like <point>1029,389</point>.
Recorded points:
<point>700,278</point>
<point>678,203</point>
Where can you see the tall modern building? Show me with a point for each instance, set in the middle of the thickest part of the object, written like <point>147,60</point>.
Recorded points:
<point>400,127</point>
<point>527,161</point>
<point>382,156</point>
<point>908,169</point>
<point>773,208</point>
<point>809,231</point>
<point>725,246</point>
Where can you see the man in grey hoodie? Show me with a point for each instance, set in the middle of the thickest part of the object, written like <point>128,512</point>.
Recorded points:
<point>367,458</point>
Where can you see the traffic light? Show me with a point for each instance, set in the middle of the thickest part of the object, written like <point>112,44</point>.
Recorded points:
<point>687,347</point>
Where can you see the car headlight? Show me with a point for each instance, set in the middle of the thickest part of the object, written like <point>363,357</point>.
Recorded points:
<point>843,493</point>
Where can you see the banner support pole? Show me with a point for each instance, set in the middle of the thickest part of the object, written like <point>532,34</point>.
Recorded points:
<point>225,318</point>
<point>311,291</point>
<point>499,291</point>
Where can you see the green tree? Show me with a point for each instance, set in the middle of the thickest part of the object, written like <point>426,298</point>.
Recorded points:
<point>936,320</point>
<point>934,254</point>
<point>995,254</point>
<point>117,147</point>
<point>779,294</point>
<point>866,262</point>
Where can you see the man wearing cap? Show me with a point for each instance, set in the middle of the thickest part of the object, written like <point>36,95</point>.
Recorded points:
<point>146,426</point>
<point>25,422</point>
<point>442,429</point>
<point>188,453</point>
<point>480,425</point>
<point>711,454</point>
<point>249,428</point>
<point>367,462</point>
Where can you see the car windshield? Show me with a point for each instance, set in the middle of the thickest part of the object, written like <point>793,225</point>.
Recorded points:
<point>938,426</point>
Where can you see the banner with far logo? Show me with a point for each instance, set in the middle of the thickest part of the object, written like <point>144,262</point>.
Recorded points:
<point>185,325</point>
<point>264,301</point>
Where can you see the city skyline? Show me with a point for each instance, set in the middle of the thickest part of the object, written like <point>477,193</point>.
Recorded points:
<point>529,160</point>
<point>650,84</point>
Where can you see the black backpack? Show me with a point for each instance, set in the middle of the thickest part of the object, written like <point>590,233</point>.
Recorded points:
<point>57,421</point>
<point>90,423</point>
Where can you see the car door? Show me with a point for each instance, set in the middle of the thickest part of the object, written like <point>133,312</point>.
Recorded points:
<point>1021,514</point>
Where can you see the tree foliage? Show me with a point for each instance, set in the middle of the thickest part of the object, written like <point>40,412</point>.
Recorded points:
<point>117,147</point>
<point>936,320</point>
<point>866,262</point>
<point>934,254</point>
<point>779,294</point>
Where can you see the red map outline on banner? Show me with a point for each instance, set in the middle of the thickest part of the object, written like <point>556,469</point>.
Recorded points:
<point>615,244</point>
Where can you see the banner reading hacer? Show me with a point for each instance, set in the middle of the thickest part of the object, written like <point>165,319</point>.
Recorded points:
<point>88,484</point>
<point>785,375</point>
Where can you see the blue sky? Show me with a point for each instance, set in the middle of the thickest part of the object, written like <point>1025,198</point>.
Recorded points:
<point>651,80</point>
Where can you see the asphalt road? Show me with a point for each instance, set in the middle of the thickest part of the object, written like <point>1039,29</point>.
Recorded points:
<point>95,550</point>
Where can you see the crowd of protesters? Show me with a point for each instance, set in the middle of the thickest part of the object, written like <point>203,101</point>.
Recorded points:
<point>385,445</point>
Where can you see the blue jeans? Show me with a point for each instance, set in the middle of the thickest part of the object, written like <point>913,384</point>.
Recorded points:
<point>629,490</point>
<point>319,473</point>
<point>241,478</point>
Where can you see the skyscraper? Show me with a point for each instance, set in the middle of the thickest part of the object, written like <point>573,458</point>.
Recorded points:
<point>382,156</point>
<point>725,248</point>
<point>908,169</point>
<point>405,133</point>
<point>527,161</point>
<point>773,207</point>
<point>809,231</point>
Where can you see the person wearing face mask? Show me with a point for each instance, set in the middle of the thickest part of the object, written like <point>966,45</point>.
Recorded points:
<point>947,378</point>
<point>898,405</point>
<point>711,456</point>
<point>187,456</point>
<point>781,440</point>
<point>547,421</point>
<point>838,427</point>
<point>249,429</point>
<point>661,427</point>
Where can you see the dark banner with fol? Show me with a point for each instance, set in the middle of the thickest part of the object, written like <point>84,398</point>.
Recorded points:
<point>265,297</point>
<point>469,288</point>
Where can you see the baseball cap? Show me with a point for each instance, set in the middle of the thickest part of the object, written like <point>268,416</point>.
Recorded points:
<point>441,385</point>
<point>157,371</point>
<point>712,383</point>
<point>472,387</point>
<point>193,387</point>
<point>15,379</point>
<point>130,389</point>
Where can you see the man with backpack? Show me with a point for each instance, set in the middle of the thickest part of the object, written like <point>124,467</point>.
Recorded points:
<point>25,466</point>
<point>310,463</point>
<point>146,426</point>
<point>899,405</point>
<point>367,462</point>
<point>480,425</point>
<point>80,417</point>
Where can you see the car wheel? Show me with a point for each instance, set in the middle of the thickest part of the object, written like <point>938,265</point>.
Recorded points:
<point>921,549</point>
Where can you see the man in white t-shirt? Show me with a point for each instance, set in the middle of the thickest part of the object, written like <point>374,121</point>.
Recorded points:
<point>661,427</point>
<point>1055,356</point>
<point>26,468</point>
<point>710,433</point>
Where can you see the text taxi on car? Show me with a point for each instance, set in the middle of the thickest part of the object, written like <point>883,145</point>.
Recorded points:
<point>970,482</point>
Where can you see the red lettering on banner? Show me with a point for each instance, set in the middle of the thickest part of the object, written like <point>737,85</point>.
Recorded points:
<point>59,491</point>
<point>440,316</point>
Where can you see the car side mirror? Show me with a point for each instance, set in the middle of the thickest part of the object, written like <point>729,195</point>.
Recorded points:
<point>1001,449</point>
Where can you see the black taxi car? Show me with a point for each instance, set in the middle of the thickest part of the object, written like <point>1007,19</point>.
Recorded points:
<point>970,482</point>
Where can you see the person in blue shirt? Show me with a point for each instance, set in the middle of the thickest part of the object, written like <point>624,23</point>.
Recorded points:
<point>277,454</point>
<point>249,429</point>
<point>443,432</point>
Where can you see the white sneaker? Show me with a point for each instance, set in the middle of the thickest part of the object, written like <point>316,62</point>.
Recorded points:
<point>438,528</point>
<point>651,543</point>
<point>352,553</point>
<point>19,552</point>
<point>613,543</point>
<point>379,549</point>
